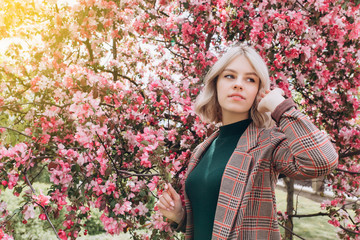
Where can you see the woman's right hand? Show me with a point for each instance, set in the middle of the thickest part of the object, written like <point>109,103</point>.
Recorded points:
<point>170,204</point>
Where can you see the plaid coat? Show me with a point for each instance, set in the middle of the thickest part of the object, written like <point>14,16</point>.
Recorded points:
<point>246,208</point>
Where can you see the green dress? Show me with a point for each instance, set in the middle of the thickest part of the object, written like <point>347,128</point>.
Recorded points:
<point>203,183</point>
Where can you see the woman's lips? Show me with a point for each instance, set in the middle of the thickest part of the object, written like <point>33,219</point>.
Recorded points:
<point>237,97</point>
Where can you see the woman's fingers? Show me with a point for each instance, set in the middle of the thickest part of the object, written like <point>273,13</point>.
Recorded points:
<point>173,193</point>
<point>167,201</point>
<point>170,204</point>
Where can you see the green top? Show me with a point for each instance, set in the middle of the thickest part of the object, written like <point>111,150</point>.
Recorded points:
<point>203,183</point>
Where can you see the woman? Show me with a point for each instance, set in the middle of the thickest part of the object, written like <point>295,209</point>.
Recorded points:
<point>231,178</point>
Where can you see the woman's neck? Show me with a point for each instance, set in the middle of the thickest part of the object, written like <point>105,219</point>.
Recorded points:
<point>233,118</point>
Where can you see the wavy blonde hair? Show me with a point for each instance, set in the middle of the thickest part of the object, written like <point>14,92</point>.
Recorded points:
<point>207,105</point>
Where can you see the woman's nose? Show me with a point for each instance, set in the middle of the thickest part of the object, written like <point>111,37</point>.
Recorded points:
<point>238,84</point>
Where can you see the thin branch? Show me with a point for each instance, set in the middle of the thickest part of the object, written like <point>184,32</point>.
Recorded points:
<point>114,52</point>
<point>7,220</point>
<point>120,171</point>
<point>88,46</point>
<point>43,208</point>
<point>291,231</point>
<point>139,174</point>
<point>350,154</point>
<point>14,130</point>
<point>108,154</point>
<point>348,230</point>
<point>32,180</point>
<point>346,171</point>
<point>34,103</point>
<point>309,215</point>
<point>108,105</point>
<point>352,220</point>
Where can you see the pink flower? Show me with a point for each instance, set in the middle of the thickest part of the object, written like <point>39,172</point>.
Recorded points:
<point>62,234</point>
<point>141,209</point>
<point>152,185</point>
<point>121,209</point>
<point>110,187</point>
<point>325,204</point>
<point>41,199</point>
<point>13,178</point>
<point>145,160</point>
<point>68,224</point>
<point>334,222</point>
<point>172,135</point>
<point>111,225</point>
<point>42,216</point>
<point>4,236</point>
<point>29,211</point>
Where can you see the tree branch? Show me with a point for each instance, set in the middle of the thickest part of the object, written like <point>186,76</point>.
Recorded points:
<point>43,208</point>
<point>108,154</point>
<point>291,231</point>
<point>34,103</point>
<point>346,171</point>
<point>309,215</point>
<point>350,154</point>
<point>14,130</point>
<point>15,212</point>
<point>348,230</point>
<point>138,174</point>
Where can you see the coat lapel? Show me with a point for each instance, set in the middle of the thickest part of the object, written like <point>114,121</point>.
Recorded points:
<point>233,183</point>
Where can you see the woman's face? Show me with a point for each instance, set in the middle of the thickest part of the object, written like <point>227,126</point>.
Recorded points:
<point>237,87</point>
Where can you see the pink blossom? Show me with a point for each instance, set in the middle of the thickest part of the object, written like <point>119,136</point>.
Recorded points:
<point>153,183</point>
<point>28,211</point>
<point>145,160</point>
<point>172,135</point>
<point>4,236</point>
<point>122,208</point>
<point>13,178</point>
<point>62,234</point>
<point>334,222</point>
<point>141,209</point>
<point>68,224</point>
<point>111,225</point>
<point>110,187</point>
<point>42,216</point>
<point>41,199</point>
<point>61,174</point>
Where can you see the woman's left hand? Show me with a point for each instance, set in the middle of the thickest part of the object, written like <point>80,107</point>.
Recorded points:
<point>270,100</point>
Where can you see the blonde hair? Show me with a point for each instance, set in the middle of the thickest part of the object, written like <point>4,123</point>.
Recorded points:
<point>207,105</point>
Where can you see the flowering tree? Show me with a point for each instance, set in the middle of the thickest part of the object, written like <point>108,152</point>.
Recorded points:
<point>100,95</point>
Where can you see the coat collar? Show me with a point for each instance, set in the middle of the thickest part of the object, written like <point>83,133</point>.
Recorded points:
<point>247,141</point>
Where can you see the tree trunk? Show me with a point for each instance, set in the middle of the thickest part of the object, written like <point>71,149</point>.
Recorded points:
<point>317,185</point>
<point>289,207</point>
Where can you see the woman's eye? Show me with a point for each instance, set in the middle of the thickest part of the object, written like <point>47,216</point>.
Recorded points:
<point>251,80</point>
<point>229,76</point>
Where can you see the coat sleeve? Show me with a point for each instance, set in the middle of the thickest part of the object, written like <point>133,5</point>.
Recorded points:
<point>301,150</point>
<point>179,227</point>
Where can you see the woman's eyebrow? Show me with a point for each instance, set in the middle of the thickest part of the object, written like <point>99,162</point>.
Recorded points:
<point>251,73</point>
<point>248,73</point>
<point>229,70</point>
